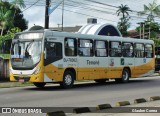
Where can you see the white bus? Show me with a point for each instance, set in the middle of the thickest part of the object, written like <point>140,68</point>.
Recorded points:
<point>47,56</point>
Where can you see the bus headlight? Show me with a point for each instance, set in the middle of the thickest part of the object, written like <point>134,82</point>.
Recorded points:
<point>37,70</point>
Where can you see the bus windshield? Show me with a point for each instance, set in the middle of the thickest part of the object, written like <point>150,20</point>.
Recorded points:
<point>25,54</point>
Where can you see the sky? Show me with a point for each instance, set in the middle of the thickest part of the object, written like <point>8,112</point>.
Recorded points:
<point>76,12</point>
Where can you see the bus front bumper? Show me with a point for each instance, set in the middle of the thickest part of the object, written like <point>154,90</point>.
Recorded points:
<point>27,78</point>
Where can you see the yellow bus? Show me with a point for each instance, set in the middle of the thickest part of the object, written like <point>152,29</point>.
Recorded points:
<point>47,56</point>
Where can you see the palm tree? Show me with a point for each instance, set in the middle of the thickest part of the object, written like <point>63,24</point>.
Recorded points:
<point>124,24</point>
<point>152,9</point>
<point>123,9</point>
<point>6,17</point>
<point>16,4</point>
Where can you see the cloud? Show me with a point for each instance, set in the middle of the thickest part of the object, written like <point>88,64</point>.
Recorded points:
<point>35,16</point>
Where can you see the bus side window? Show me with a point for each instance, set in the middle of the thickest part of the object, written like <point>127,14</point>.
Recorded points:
<point>127,49</point>
<point>101,48</point>
<point>70,47</point>
<point>115,49</point>
<point>149,51</point>
<point>139,50</point>
<point>85,47</point>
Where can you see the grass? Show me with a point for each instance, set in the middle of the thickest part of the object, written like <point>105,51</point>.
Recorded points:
<point>14,84</point>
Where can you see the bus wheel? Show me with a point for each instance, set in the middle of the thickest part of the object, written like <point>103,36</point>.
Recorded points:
<point>68,80</point>
<point>39,85</point>
<point>125,77</point>
<point>100,80</point>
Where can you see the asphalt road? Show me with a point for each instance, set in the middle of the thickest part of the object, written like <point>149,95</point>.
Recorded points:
<point>81,95</point>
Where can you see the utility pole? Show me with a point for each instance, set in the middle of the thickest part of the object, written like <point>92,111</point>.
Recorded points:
<point>149,28</point>
<point>141,31</point>
<point>62,13</point>
<point>46,26</point>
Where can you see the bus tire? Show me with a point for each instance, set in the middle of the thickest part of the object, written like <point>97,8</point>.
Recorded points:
<point>125,76</point>
<point>40,84</point>
<point>68,80</point>
<point>100,80</point>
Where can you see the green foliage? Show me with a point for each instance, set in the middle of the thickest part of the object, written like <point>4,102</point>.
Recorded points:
<point>123,24</point>
<point>151,9</point>
<point>10,34</point>
<point>123,9</point>
<point>19,20</point>
<point>18,3</point>
<point>6,16</point>
<point>11,16</point>
<point>156,41</point>
<point>153,27</point>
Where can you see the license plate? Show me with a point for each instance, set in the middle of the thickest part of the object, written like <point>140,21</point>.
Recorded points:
<point>21,80</point>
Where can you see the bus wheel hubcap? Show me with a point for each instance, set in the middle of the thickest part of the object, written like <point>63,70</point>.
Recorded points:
<point>125,75</point>
<point>68,79</point>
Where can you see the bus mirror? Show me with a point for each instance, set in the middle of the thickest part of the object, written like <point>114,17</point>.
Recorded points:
<point>45,53</point>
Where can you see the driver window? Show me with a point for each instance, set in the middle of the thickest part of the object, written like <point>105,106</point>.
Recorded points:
<point>51,50</point>
<point>54,52</point>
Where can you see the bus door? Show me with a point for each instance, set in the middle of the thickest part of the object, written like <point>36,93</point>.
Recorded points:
<point>53,60</point>
<point>128,56</point>
<point>101,59</point>
<point>114,60</point>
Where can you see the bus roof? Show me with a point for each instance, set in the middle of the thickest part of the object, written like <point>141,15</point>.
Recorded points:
<point>50,33</point>
<point>100,37</point>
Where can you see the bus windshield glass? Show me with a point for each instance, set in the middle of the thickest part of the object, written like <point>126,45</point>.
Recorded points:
<point>25,54</point>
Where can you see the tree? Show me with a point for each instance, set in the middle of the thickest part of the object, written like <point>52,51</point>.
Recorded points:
<point>6,16</point>
<point>19,20</point>
<point>123,9</point>
<point>10,34</point>
<point>151,27</point>
<point>152,9</point>
<point>156,41</point>
<point>16,4</point>
<point>9,18</point>
<point>124,24</point>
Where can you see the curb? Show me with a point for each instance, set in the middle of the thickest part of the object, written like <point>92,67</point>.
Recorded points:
<point>57,113</point>
<point>154,98</point>
<point>81,110</point>
<point>140,100</point>
<point>104,107</point>
<point>123,103</point>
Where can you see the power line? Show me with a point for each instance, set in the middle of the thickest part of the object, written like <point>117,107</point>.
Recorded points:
<point>85,6</point>
<point>93,1</point>
<point>76,4</point>
<point>31,5</point>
